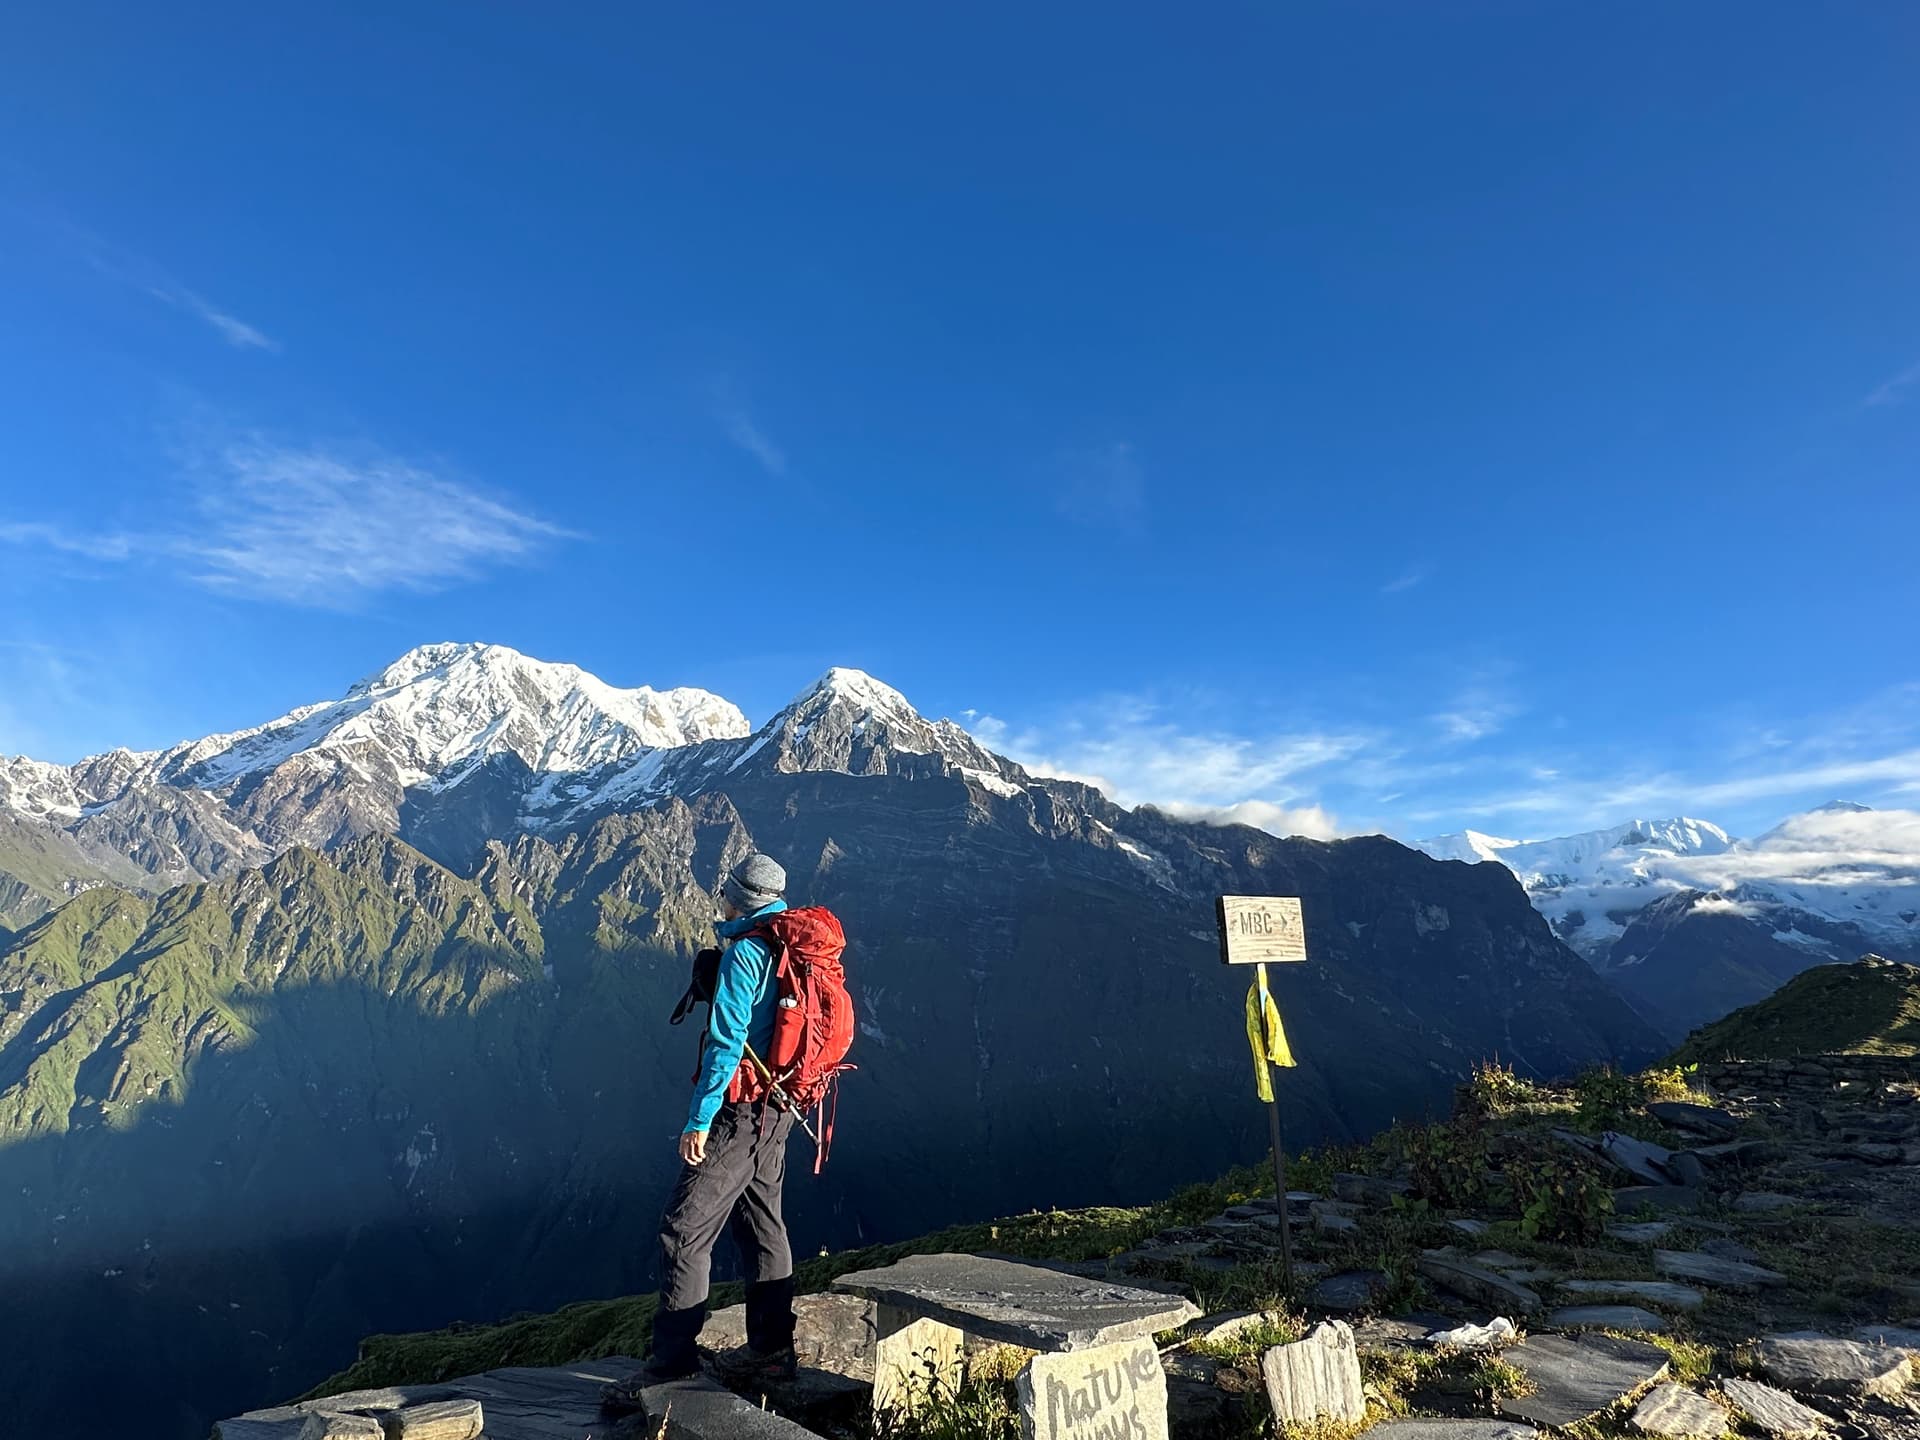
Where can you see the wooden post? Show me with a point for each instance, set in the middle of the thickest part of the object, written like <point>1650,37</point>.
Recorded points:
<point>1255,929</point>
<point>1280,1181</point>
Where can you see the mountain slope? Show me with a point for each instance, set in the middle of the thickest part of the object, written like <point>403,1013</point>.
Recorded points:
<point>358,1091</point>
<point>1870,1007</point>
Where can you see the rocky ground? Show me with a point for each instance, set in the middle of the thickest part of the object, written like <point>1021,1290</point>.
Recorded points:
<point>1628,1256</point>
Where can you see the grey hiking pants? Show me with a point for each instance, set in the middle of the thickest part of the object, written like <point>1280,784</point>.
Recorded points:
<point>738,1189</point>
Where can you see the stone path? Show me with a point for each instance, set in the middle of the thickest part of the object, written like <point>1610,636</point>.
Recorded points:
<point>1575,1379</point>
<point>521,1403</point>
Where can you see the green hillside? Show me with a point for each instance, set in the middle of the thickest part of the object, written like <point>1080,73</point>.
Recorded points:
<point>1871,1007</point>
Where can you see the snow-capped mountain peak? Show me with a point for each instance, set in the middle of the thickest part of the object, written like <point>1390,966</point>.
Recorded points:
<point>440,707</point>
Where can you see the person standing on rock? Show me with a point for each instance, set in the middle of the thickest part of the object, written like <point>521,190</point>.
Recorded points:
<point>733,1154</point>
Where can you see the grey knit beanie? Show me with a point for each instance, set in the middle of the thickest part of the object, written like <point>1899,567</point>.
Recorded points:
<point>756,881</point>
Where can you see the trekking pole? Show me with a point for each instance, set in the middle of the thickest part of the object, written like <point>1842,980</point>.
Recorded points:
<point>780,1096</point>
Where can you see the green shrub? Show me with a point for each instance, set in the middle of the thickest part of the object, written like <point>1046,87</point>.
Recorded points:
<point>1449,1162</point>
<point>1559,1199</point>
<point>1493,1089</point>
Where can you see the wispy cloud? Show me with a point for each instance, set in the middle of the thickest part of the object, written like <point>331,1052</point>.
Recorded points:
<point>234,331</point>
<point>310,526</point>
<point>1413,575</point>
<point>1127,748</point>
<point>744,430</point>
<point>316,527</point>
<point>154,280</point>
<point>1105,487</point>
<point>1893,390</point>
<point>39,533</point>
<point>750,438</point>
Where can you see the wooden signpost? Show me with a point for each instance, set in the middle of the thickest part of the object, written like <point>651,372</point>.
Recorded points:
<point>1256,930</point>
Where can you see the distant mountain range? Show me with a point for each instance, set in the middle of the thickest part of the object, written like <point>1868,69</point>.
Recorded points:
<point>1692,923</point>
<point>355,1021</point>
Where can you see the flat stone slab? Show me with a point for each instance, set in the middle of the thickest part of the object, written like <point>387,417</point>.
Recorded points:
<point>700,1409</point>
<point>1577,1378</point>
<point>1774,1411</point>
<point>1427,1429</point>
<point>1712,1270</point>
<point>1825,1366</point>
<point>1761,1200</point>
<point>1678,1413</point>
<point>1700,1119</point>
<point>1019,1304</point>
<point>1315,1377</point>
<point>1685,1198</point>
<point>1647,1232</point>
<point>1654,1292</point>
<point>1115,1390</point>
<point>1477,1282</point>
<point>1606,1317</point>
<point>1898,1336</point>
<point>1350,1292</point>
<point>521,1403</point>
<point>1649,1163</point>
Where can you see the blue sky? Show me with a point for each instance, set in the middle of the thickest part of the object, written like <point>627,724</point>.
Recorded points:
<point>1402,415</point>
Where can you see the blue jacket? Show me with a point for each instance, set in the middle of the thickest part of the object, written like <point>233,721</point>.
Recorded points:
<point>744,1004</point>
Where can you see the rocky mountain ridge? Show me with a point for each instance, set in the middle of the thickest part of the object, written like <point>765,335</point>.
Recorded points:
<point>449,747</point>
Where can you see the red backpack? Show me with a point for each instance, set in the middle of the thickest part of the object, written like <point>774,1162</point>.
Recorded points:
<point>813,1027</point>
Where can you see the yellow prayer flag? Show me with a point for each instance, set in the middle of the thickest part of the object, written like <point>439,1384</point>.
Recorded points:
<point>1266,1036</point>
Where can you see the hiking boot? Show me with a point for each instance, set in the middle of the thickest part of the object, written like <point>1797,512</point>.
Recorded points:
<point>623,1396</point>
<point>744,1365</point>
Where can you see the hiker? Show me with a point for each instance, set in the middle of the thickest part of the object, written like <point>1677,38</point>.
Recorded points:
<point>779,1028</point>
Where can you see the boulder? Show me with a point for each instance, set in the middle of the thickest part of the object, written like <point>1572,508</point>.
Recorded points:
<point>1476,1282</point>
<point>1826,1366</point>
<point>1677,1413</point>
<point>1712,1270</point>
<point>1605,1317</point>
<point>831,1332</point>
<point>1575,1378</point>
<point>1774,1411</point>
<point>1316,1377</point>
